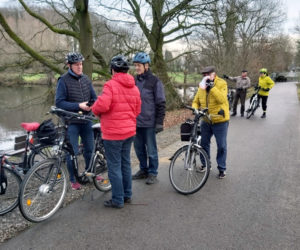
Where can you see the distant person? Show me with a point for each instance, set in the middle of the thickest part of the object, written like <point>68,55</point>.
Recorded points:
<point>212,94</point>
<point>74,93</point>
<point>242,84</point>
<point>265,83</point>
<point>151,119</point>
<point>118,106</point>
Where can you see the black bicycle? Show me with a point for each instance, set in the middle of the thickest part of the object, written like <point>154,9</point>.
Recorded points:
<point>12,171</point>
<point>190,165</point>
<point>254,104</point>
<point>40,198</point>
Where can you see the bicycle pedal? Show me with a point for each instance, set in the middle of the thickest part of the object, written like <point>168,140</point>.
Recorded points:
<point>89,174</point>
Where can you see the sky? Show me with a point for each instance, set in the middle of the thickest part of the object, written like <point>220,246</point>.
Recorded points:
<point>291,7</point>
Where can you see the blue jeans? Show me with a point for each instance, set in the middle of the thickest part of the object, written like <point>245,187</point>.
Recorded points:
<point>219,130</point>
<point>85,131</point>
<point>145,147</point>
<point>117,154</point>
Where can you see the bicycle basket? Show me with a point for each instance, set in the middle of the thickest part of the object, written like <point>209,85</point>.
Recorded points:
<point>46,133</point>
<point>186,130</point>
<point>3,181</point>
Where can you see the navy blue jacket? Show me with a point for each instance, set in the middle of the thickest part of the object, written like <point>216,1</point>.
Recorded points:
<point>153,100</point>
<point>61,98</point>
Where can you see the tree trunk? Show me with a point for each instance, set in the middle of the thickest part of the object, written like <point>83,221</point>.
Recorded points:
<point>86,35</point>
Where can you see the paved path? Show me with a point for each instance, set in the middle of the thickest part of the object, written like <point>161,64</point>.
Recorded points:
<point>256,207</point>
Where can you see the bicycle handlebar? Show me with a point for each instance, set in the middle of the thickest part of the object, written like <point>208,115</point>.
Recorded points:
<point>203,112</point>
<point>60,112</point>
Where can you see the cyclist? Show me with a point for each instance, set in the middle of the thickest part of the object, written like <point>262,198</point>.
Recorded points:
<point>242,84</point>
<point>74,91</point>
<point>265,83</point>
<point>212,94</point>
<point>151,119</point>
<point>118,106</point>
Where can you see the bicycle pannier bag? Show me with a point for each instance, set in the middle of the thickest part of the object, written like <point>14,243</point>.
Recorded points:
<point>46,132</point>
<point>186,130</point>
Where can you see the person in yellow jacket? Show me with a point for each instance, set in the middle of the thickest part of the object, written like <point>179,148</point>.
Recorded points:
<point>265,83</point>
<point>212,94</point>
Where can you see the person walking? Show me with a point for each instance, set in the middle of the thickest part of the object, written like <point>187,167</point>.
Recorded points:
<point>151,119</point>
<point>118,106</point>
<point>74,92</point>
<point>265,84</point>
<point>242,84</point>
<point>212,94</point>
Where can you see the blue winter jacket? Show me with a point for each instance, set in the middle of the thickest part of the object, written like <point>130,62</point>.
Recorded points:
<point>153,100</point>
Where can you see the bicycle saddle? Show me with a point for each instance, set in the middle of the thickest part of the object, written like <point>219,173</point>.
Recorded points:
<point>30,126</point>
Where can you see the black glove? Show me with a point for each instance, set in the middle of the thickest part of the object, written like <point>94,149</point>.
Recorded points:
<point>90,102</point>
<point>226,76</point>
<point>159,128</point>
<point>267,89</point>
<point>256,87</point>
<point>209,84</point>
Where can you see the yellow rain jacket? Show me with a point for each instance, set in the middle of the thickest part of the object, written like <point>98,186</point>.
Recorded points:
<point>216,101</point>
<point>265,82</point>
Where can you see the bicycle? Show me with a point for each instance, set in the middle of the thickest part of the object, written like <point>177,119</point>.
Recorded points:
<point>230,97</point>
<point>190,166</point>
<point>11,172</point>
<point>253,104</point>
<point>40,198</point>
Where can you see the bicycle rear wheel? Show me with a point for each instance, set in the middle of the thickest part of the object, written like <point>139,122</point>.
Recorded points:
<point>185,169</point>
<point>41,153</point>
<point>9,197</point>
<point>40,198</point>
<point>101,180</point>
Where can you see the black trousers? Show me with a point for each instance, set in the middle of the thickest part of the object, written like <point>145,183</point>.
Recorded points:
<point>264,100</point>
<point>240,94</point>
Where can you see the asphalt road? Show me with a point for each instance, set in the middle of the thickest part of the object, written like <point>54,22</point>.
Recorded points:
<point>255,207</point>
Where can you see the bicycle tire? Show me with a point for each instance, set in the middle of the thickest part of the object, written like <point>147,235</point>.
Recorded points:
<point>10,199</point>
<point>37,199</point>
<point>101,180</point>
<point>189,179</point>
<point>252,109</point>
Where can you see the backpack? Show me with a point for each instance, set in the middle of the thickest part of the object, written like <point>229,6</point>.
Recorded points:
<point>47,132</point>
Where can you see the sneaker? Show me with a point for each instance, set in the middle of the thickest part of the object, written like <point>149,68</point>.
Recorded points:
<point>75,185</point>
<point>202,169</point>
<point>110,203</point>
<point>263,115</point>
<point>222,174</point>
<point>127,200</point>
<point>99,178</point>
<point>233,114</point>
<point>151,179</point>
<point>140,175</point>
<point>242,115</point>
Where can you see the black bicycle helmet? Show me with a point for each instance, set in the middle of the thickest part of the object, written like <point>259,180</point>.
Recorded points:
<point>119,63</point>
<point>74,57</point>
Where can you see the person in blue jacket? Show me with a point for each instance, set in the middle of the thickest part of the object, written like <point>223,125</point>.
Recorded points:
<point>150,121</point>
<point>75,93</point>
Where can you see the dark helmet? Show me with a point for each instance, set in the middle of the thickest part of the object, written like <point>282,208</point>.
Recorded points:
<point>74,57</point>
<point>119,63</point>
<point>141,57</point>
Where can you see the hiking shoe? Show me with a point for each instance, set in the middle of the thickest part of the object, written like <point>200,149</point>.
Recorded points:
<point>127,200</point>
<point>75,186</point>
<point>202,169</point>
<point>110,203</point>
<point>222,174</point>
<point>151,179</point>
<point>263,115</point>
<point>140,175</point>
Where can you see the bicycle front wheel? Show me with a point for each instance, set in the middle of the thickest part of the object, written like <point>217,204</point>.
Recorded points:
<point>101,180</point>
<point>10,193</point>
<point>40,197</point>
<point>189,170</point>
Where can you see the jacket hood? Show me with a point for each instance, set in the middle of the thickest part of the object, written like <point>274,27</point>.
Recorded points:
<point>145,75</point>
<point>125,79</point>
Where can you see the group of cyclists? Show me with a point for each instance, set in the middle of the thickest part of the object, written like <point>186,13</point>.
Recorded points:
<point>132,110</point>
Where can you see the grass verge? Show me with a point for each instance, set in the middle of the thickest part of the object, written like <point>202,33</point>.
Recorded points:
<point>298,90</point>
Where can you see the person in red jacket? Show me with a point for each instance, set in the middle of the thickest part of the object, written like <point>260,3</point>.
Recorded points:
<point>118,106</point>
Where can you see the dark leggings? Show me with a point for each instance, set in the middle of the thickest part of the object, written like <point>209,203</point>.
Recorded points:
<point>264,100</point>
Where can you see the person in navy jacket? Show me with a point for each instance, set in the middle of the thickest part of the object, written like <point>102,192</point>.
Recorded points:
<point>75,93</point>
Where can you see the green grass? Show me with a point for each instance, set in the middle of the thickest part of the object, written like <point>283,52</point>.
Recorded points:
<point>178,77</point>
<point>33,77</point>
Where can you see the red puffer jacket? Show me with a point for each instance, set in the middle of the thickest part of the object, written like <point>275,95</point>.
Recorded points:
<point>118,106</point>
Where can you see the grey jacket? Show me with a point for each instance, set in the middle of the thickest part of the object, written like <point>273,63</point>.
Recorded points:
<point>241,83</point>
